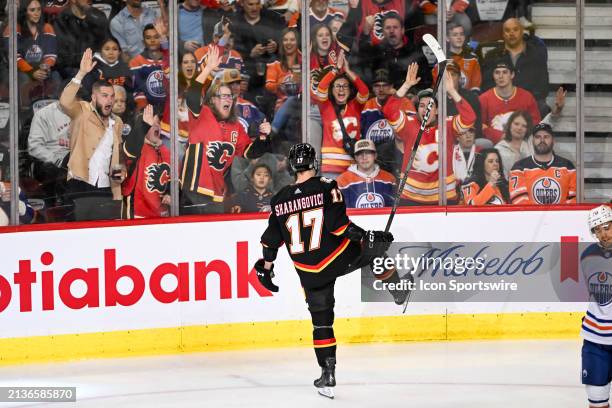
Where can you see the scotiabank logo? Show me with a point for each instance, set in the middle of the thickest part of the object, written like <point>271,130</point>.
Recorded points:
<point>41,282</point>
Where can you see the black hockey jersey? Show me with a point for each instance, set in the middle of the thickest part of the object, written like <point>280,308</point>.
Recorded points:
<point>310,219</point>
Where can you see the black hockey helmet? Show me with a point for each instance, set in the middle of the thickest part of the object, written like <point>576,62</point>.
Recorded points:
<point>302,157</point>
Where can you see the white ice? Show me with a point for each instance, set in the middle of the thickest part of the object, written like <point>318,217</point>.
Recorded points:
<point>525,374</point>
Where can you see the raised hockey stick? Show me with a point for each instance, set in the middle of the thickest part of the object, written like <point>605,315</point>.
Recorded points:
<point>441,58</point>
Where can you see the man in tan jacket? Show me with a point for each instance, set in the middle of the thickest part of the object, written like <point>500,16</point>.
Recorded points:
<point>94,147</point>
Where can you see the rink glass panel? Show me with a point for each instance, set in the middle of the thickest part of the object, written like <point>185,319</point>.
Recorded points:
<point>264,92</point>
<point>593,169</point>
<point>5,110</point>
<point>597,86</point>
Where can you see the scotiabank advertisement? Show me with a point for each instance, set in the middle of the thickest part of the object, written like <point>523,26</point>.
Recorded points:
<point>112,278</point>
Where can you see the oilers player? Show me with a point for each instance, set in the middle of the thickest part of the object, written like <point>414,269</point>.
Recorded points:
<point>596,264</point>
<point>309,217</point>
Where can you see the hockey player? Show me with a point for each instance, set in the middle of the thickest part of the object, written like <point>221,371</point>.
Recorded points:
<point>309,216</point>
<point>596,264</point>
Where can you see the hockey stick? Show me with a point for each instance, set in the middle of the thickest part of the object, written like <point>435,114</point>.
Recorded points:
<point>441,59</point>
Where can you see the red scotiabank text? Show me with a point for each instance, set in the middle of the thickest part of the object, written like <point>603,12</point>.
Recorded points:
<point>41,282</point>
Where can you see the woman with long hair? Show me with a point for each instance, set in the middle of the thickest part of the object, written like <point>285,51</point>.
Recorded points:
<point>341,113</point>
<point>283,78</point>
<point>186,81</point>
<point>216,137</point>
<point>514,145</point>
<point>36,53</point>
<point>323,56</point>
<point>487,185</point>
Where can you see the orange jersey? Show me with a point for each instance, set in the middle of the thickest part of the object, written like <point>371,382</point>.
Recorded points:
<point>490,194</point>
<point>471,77</point>
<point>532,182</point>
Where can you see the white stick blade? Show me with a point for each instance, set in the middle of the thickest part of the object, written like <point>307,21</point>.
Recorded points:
<point>435,47</point>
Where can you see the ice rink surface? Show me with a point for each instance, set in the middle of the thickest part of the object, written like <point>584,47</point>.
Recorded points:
<point>525,374</point>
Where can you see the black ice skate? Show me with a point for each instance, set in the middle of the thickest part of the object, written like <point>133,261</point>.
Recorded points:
<point>402,296</point>
<point>326,383</point>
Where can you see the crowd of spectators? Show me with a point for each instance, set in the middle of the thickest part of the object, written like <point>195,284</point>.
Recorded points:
<point>93,95</point>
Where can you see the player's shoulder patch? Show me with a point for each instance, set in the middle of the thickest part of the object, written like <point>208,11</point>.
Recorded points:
<point>560,161</point>
<point>592,250</point>
<point>326,180</point>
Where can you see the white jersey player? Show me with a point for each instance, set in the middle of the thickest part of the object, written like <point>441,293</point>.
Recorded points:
<point>596,264</point>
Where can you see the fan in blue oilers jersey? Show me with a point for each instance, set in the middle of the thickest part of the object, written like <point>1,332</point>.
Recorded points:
<point>374,125</point>
<point>596,265</point>
<point>309,217</point>
<point>148,70</point>
<point>365,184</point>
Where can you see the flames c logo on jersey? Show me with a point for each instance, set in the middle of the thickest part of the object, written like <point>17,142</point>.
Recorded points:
<point>219,153</point>
<point>158,176</point>
<point>600,287</point>
<point>546,190</point>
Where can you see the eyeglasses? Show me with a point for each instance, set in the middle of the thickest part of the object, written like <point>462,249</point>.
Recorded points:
<point>225,96</point>
<point>341,87</point>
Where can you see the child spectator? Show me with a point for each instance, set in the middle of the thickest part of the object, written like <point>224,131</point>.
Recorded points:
<point>256,197</point>
<point>146,190</point>
<point>110,67</point>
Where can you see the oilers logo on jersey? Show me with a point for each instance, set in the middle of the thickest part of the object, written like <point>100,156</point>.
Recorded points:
<point>155,86</point>
<point>600,287</point>
<point>370,200</point>
<point>546,190</point>
<point>379,132</point>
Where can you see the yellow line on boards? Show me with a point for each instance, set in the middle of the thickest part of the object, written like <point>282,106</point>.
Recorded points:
<point>289,333</point>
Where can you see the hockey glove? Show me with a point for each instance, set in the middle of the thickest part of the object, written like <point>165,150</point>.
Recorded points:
<point>265,276</point>
<point>376,243</point>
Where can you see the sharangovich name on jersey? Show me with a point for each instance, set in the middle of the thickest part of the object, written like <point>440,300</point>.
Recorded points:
<point>299,204</point>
